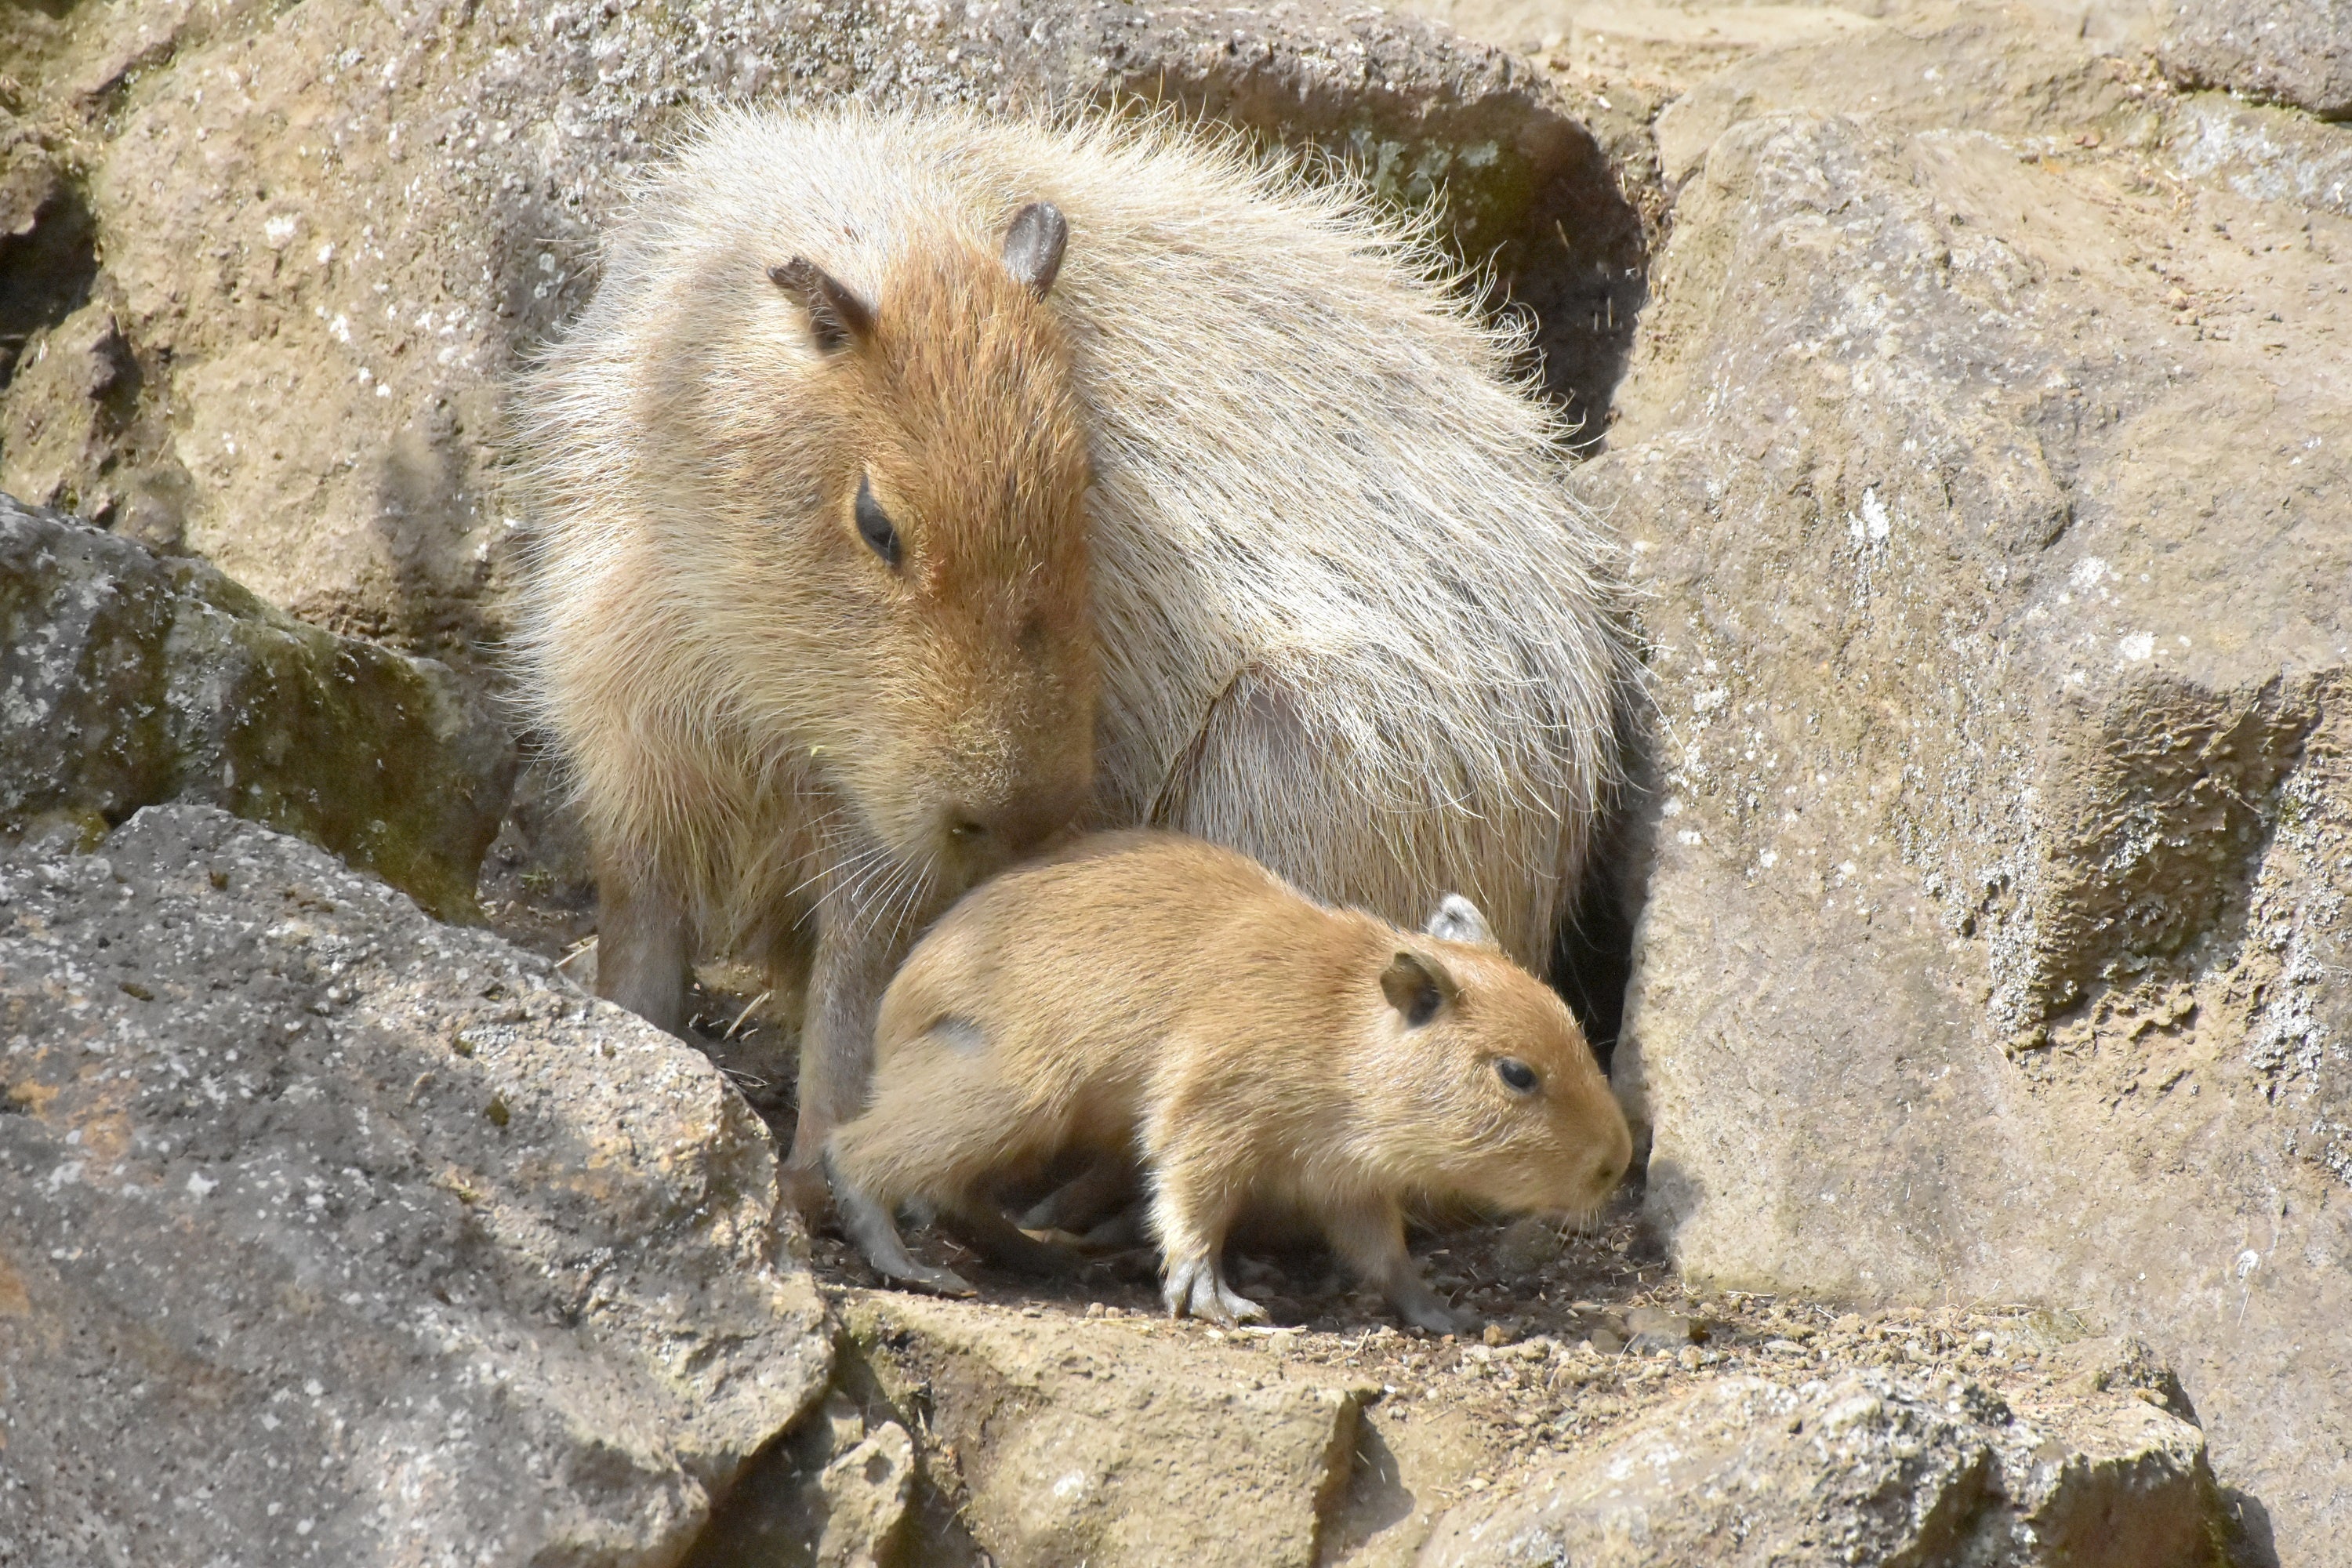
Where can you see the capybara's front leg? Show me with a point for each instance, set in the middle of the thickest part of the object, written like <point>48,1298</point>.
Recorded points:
<point>1191,1212</point>
<point>853,965</point>
<point>1369,1236</point>
<point>644,943</point>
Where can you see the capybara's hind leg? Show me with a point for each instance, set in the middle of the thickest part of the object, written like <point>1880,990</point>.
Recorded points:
<point>1088,1198</point>
<point>978,1224</point>
<point>876,1234</point>
<point>643,944</point>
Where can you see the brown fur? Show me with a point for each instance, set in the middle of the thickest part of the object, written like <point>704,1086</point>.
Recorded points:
<point>1153,992</point>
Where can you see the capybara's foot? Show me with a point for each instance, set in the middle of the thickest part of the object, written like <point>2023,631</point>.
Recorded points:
<point>937,1282</point>
<point>808,1192</point>
<point>1435,1316</point>
<point>1196,1286</point>
<point>1003,1244</point>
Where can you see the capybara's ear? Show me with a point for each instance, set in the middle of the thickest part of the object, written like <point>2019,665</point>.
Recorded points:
<point>1033,247</point>
<point>1458,920</point>
<point>837,318</point>
<point>1416,987</point>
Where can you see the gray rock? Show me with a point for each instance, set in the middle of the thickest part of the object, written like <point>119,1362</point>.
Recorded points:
<point>331,1235</point>
<point>127,679</point>
<point>1863,1469</point>
<point>334,378</point>
<point>2288,51</point>
<point>865,1493</point>
<point>1992,512</point>
<point>835,1493</point>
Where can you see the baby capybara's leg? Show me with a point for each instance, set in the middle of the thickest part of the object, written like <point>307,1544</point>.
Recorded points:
<point>1368,1236</point>
<point>871,1226</point>
<point>1191,1209</point>
<point>941,1123</point>
<point>1086,1199</point>
<point>981,1225</point>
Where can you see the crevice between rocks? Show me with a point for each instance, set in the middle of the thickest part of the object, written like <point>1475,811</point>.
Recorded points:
<point>47,264</point>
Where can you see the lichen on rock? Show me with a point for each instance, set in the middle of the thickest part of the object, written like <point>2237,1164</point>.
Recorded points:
<point>129,679</point>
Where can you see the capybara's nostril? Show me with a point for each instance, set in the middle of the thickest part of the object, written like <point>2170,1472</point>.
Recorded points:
<point>1013,827</point>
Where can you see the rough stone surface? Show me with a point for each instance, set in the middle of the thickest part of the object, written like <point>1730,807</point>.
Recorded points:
<point>2291,51</point>
<point>330,1235</point>
<point>127,679</point>
<point>1115,1444</point>
<point>2263,154</point>
<point>1978,70</point>
<point>1860,1469</point>
<point>835,1493</point>
<point>329,230</point>
<point>1991,500</point>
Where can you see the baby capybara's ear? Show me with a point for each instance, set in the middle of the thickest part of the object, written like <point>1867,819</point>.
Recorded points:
<point>1416,987</point>
<point>1458,920</point>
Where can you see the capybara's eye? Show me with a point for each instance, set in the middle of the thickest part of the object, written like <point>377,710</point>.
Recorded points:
<point>874,524</point>
<point>1517,1076</point>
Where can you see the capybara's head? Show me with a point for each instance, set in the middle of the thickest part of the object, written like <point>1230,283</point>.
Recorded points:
<point>951,688</point>
<point>1496,1095</point>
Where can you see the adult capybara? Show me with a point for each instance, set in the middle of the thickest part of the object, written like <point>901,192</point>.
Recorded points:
<point>916,484</point>
<point>1148,995</point>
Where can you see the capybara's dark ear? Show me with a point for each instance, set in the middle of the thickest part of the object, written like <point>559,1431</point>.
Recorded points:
<point>1033,245</point>
<point>1458,920</point>
<point>837,318</point>
<point>1416,987</point>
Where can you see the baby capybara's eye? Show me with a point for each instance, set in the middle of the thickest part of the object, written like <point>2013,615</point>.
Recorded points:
<point>1517,1076</point>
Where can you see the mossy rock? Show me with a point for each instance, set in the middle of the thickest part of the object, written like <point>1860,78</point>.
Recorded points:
<point>129,679</point>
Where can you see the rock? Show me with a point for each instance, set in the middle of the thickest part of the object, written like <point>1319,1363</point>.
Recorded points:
<point>2289,51</point>
<point>1990,510</point>
<point>833,1493</point>
<point>866,1492</point>
<point>329,1234</point>
<point>47,247</point>
<point>1652,1329</point>
<point>332,377</point>
<point>1112,1442</point>
<point>2124,1363</point>
<point>1980,70</point>
<point>2262,154</point>
<point>1863,1469</point>
<point>1528,1243</point>
<point>127,679</point>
